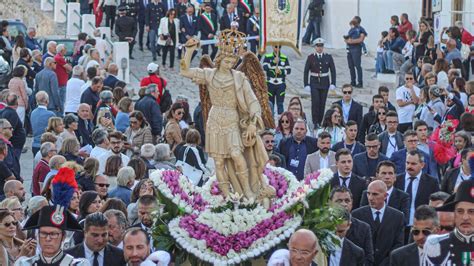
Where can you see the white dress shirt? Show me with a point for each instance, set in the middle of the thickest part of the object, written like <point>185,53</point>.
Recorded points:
<point>346,107</point>
<point>348,181</point>
<point>374,215</point>
<point>89,254</point>
<point>461,177</point>
<point>323,161</point>
<point>391,145</point>
<point>335,257</point>
<point>414,188</point>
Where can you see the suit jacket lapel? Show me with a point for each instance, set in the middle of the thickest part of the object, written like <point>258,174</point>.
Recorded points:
<point>419,190</point>
<point>345,253</point>
<point>106,249</point>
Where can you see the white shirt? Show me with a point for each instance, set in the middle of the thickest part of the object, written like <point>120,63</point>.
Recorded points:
<point>101,46</point>
<point>335,257</point>
<point>374,215</point>
<point>74,89</point>
<point>442,80</point>
<point>389,192</point>
<point>405,113</point>
<point>89,254</point>
<point>323,161</point>
<point>407,49</point>
<point>461,177</point>
<point>392,145</point>
<point>346,107</point>
<point>348,181</point>
<point>414,188</point>
<point>103,160</point>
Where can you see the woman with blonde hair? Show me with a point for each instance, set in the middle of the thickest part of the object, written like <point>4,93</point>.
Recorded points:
<point>10,244</point>
<point>105,120</point>
<point>56,126</point>
<point>86,177</point>
<point>70,150</point>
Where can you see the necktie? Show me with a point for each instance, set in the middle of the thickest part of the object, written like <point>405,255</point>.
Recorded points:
<point>377,220</point>
<point>344,181</point>
<point>319,56</point>
<point>96,259</point>
<point>410,187</point>
<point>190,20</point>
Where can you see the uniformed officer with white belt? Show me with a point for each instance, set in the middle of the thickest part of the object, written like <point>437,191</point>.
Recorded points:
<point>319,77</point>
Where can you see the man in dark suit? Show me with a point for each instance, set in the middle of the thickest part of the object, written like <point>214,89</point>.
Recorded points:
<point>350,142</point>
<point>396,198</point>
<point>351,110</point>
<point>384,91</point>
<point>455,176</point>
<point>426,223</point>
<point>346,178</point>
<point>85,126</point>
<point>365,164</point>
<point>419,186</point>
<point>189,28</point>
<point>370,117</point>
<point>359,232</point>
<point>229,16</point>
<point>296,148</point>
<point>146,205</point>
<point>386,222</point>
<point>253,30</point>
<point>391,140</point>
<point>111,79</point>
<point>207,25</point>
<point>411,144</point>
<point>168,4</point>
<point>126,29</point>
<point>348,254</point>
<point>95,247</point>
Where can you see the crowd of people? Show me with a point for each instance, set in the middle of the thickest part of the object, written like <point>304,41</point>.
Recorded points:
<point>387,176</point>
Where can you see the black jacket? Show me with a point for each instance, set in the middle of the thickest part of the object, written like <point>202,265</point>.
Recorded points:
<point>125,27</point>
<point>361,165</point>
<point>110,81</point>
<point>449,181</point>
<point>91,98</point>
<point>18,138</point>
<point>388,236</point>
<point>84,132</point>
<point>319,66</point>
<point>399,200</point>
<point>355,112</point>
<point>383,138</point>
<point>284,149</point>
<point>368,120</point>
<point>153,14</point>
<point>356,186</point>
<point>151,110</point>
<point>351,254</point>
<point>361,235</point>
<point>427,186</point>
<point>354,150</point>
<point>112,255</point>
<point>205,28</point>
<point>30,74</point>
<point>405,256</point>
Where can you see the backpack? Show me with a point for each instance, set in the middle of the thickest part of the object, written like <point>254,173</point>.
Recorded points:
<point>165,98</point>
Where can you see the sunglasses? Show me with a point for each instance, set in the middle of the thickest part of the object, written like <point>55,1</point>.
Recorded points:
<point>15,223</point>
<point>408,78</point>
<point>284,121</point>
<point>269,141</point>
<point>180,113</point>
<point>102,185</point>
<point>381,113</point>
<point>416,232</point>
<point>347,92</point>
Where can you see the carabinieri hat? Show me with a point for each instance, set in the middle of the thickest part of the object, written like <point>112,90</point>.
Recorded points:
<point>465,192</point>
<point>64,185</point>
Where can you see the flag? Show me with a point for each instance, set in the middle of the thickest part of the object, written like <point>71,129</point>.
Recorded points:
<point>281,23</point>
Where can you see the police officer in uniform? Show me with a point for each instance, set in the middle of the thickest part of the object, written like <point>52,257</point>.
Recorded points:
<point>277,66</point>
<point>318,68</point>
<point>153,14</point>
<point>51,223</point>
<point>126,29</point>
<point>131,7</point>
<point>457,247</point>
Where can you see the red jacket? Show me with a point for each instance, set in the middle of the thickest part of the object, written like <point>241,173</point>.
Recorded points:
<point>466,37</point>
<point>40,172</point>
<point>404,28</point>
<point>154,79</point>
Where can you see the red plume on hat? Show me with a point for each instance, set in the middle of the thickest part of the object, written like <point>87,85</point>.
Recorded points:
<point>64,185</point>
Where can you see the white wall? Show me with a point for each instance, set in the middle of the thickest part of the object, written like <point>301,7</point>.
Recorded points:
<point>375,15</point>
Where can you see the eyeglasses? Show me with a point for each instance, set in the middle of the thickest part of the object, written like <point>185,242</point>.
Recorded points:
<point>54,235</point>
<point>14,223</point>
<point>347,92</point>
<point>180,113</point>
<point>416,232</point>
<point>284,121</point>
<point>392,122</point>
<point>102,185</point>
<point>408,78</point>
<point>269,141</point>
<point>381,113</point>
<point>412,141</point>
<point>446,228</point>
<point>300,252</point>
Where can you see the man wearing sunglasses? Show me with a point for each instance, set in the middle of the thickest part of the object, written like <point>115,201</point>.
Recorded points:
<point>407,98</point>
<point>268,139</point>
<point>319,76</point>
<point>351,110</point>
<point>426,223</point>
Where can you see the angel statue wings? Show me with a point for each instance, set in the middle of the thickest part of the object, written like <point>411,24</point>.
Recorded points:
<point>235,107</point>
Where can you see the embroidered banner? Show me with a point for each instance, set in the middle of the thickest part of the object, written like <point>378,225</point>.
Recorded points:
<point>281,23</point>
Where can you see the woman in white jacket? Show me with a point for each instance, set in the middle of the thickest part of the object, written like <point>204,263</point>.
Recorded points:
<point>168,32</point>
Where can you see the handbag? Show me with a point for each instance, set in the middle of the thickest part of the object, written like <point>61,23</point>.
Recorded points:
<point>192,173</point>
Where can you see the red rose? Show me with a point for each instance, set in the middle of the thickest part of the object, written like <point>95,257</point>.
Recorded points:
<point>450,129</point>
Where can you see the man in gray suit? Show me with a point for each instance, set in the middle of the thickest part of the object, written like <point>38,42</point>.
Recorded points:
<point>46,80</point>
<point>323,158</point>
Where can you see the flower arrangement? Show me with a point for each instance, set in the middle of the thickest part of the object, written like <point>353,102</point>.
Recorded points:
<point>442,141</point>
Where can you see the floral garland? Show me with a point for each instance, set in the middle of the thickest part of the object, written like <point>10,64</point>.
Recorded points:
<point>442,140</point>
<point>208,245</point>
<point>319,179</point>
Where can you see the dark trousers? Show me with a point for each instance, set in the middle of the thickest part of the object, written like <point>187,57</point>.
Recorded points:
<point>354,55</point>
<point>313,31</point>
<point>110,16</point>
<point>34,150</point>
<point>170,49</point>
<point>205,50</point>
<point>277,92</point>
<point>253,46</point>
<point>404,127</point>
<point>141,31</point>
<point>318,103</point>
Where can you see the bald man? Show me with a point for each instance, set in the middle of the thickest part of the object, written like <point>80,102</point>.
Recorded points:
<point>111,79</point>
<point>302,248</point>
<point>386,222</point>
<point>451,51</point>
<point>14,188</point>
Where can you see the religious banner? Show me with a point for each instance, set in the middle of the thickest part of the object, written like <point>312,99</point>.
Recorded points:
<point>281,23</point>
